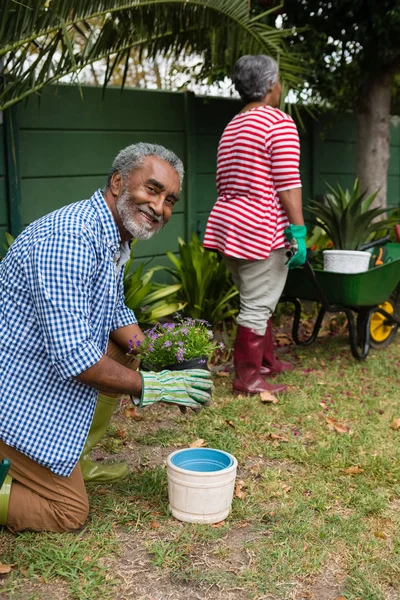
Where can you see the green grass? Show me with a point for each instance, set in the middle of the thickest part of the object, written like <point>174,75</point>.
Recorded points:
<point>302,514</point>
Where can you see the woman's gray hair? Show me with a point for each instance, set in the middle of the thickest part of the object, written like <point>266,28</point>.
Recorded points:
<point>131,158</point>
<point>254,76</point>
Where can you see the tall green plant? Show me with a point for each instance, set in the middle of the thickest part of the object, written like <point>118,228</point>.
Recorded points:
<point>149,300</point>
<point>346,216</point>
<point>9,241</point>
<point>206,285</point>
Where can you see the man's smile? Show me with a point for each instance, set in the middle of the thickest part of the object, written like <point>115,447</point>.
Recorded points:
<point>148,216</point>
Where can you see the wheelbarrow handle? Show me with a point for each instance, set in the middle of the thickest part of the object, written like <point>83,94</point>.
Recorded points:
<point>311,275</point>
<point>375,243</point>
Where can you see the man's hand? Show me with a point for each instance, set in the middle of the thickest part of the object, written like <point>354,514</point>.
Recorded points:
<point>191,388</point>
<point>296,235</point>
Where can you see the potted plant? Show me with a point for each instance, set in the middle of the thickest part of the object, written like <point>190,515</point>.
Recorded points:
<point>186,344</point>
<point>348,220</point>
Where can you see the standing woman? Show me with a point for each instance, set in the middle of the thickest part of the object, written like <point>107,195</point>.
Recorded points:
<point>258,206</point>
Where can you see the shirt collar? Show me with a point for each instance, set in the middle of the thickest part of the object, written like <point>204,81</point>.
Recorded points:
<point>111,231</point>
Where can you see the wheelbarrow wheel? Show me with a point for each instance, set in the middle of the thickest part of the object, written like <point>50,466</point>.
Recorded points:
<point>382,332</point>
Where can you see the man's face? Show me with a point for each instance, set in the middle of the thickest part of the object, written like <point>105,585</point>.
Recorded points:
<point>144,203</point>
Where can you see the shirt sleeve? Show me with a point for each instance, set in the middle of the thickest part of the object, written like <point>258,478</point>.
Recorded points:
<point>60,270</point>
<point>122,314</point>
<point>282,142</point>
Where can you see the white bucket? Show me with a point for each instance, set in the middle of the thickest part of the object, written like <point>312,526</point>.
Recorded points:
<point>201,482</point>
<point>346,261</point>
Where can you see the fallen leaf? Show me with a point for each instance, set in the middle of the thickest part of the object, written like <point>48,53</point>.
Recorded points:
<point>198,444</point>
<point>120,433</point>
<point>334,425</point>
<point>217,525</point>
<point>231,424</point>
<point>101,491</point>
<point>286,488</point>
<point>275,436</point>
<point>268,397</point>
<point>381,535</point>
<point>24,571</point>
<point>341,598</point>
<point>154,525</point>
<point>4,569</point>
<point>222,374</point>
<point>340,428</point>
<point>241,525</point>
<point>282,339</point>
<point>132,413</point>
<point>395,424</point>
<point>239,493</point>
<point>353,470</point>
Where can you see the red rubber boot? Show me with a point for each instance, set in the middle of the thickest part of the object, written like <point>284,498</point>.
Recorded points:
<point>247,357</point>
<point>270,366</point>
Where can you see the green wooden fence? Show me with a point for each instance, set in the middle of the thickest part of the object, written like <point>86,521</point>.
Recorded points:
<point>59,149</point>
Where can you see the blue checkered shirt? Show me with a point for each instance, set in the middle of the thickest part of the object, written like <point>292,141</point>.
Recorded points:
<point>61,294</point>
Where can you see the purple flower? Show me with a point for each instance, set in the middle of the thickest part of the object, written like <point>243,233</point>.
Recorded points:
<point>180,343</point>
<point>185,331</point>
<point>204,322</point>
<point>180,355</point>
<point>167,344</point>
<point>221,345</point>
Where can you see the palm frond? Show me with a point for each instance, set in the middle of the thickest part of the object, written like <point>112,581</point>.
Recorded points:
<point>66,36</point>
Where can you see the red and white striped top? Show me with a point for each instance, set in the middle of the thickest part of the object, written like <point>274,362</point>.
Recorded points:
<point>258,156</point>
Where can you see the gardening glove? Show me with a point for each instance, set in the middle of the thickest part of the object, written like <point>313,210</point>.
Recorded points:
<point>191,388</point>
<point>296,235</point>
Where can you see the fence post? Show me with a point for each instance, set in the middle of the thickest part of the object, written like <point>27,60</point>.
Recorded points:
<point>190,160</point>
<point>13,178</point>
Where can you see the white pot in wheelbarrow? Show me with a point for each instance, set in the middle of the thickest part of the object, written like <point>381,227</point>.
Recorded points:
<point>201,483</point>
<point>346,261</point>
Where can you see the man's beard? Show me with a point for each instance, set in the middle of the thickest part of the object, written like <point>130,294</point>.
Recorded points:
<point>141,231</point>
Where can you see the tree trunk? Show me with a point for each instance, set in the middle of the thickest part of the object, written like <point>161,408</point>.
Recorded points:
<point>373,135</point>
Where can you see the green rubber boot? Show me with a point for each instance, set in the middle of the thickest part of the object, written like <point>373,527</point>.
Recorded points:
<point>4,499</point>
<point>92,470</point>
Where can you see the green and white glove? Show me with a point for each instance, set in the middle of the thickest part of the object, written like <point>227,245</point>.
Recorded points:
<point>190,388</point>
<point>296,235</point>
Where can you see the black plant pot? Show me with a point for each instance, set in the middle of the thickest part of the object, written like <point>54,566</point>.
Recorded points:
<point>199,362</point>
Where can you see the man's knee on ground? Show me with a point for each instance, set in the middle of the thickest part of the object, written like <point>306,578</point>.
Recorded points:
<point>71,517</point>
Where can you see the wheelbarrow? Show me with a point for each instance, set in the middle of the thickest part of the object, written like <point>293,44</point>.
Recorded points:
<point>370,300</point>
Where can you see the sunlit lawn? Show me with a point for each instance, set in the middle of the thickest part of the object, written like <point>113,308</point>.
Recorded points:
<point>320,483</point>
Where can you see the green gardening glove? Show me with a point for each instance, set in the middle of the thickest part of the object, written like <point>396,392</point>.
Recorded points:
<point>190,388</point>
<point>296,236</point>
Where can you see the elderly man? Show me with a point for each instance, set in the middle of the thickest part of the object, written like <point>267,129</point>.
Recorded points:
<point>65,332</point>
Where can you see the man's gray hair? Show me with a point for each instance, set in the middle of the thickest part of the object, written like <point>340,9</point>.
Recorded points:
<point>131,158</point>
<point>254,76</point>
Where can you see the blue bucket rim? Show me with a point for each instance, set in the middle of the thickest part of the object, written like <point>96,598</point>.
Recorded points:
<point>230,467</point>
